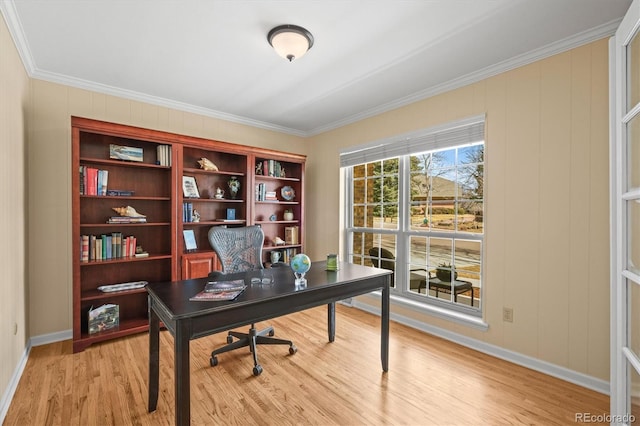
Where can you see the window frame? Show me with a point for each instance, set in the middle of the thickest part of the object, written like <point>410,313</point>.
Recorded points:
<point>414,143</point>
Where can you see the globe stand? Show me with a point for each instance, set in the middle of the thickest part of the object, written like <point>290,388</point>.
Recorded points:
<point>301,281</point>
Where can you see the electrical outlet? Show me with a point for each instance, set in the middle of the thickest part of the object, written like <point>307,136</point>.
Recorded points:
<point>507,314</point>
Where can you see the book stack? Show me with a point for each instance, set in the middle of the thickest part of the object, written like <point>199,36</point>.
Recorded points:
<point>260,191</point>
<point>270,168</point>
<point>164,155</point>
<point>127,219</point>
<point>93,181</point>
<point>187,212</point>
<point>105,247</point>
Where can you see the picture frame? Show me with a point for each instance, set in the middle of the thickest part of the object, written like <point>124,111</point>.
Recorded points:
<point>190,243</point>
<point>125,153</point>
<point>190,187</point>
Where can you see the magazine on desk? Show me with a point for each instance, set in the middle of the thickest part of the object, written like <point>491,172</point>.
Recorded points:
<point>220,286</point>
<point>220,290</point>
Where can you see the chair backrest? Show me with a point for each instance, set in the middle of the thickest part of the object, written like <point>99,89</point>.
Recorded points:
<point>239,249</point>
<point>382,253</point>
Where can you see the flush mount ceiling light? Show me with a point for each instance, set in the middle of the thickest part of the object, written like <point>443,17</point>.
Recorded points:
<point>290,41</point>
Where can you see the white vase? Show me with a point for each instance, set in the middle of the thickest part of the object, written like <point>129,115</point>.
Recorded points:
<point>288,216</point>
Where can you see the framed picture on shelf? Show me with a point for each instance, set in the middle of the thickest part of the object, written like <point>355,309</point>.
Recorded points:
<point>189,240</point>
<point>190,187</point>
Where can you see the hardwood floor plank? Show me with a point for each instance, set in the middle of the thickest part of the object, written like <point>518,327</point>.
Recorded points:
<point>430,381</point>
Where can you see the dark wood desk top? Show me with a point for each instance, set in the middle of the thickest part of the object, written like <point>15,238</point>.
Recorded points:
<point>174,296</point>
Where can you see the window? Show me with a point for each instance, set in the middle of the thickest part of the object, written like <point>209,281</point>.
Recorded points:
<point>415,206</point>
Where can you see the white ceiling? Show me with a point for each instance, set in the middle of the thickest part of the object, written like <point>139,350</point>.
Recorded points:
<point>212,56</point>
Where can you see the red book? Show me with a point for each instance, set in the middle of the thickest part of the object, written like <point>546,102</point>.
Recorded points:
<point>92,181</point>
<point>84,249</point>
<point>131,247</point>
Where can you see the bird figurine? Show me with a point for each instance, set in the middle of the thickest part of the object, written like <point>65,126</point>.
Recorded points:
<point>278,241</point>
<point>206,164</point>
<point>128,212</point>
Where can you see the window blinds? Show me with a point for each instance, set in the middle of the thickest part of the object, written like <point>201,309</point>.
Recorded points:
<point>466,131</point>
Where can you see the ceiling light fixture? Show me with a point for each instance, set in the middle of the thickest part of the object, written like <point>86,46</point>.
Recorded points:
<point>290,41</point>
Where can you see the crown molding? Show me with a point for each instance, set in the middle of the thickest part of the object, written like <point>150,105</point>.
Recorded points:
<point>159,101</point>
<point>605,30</point>
<point>7,9</point>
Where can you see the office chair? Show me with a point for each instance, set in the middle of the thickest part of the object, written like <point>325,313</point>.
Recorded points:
<point>240,250</point>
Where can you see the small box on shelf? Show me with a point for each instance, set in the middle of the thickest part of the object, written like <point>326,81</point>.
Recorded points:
<point>291,235</point>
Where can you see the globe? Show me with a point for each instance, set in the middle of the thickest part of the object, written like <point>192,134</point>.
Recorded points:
<point>300,263</point>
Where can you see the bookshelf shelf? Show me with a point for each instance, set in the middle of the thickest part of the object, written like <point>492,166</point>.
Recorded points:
<point>120,163</point>
<point>213,200</point>
<point>126,197</point>
<point>127,327</point>
<point>263,177</point>
<point>93,295</point>
<point>189,170</point>
<point>214,223</point>
<point>118,225</point>
<point>149,258</point>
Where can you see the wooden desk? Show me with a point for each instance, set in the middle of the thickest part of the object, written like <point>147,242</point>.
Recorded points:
<point>186,320</point>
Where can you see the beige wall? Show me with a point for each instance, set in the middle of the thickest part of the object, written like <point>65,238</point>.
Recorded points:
<point>14,91</point>
<point>547,197</point>
<point>547,206</point>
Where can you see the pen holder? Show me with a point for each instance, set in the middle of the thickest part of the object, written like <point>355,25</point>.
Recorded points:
<point>332,262</point>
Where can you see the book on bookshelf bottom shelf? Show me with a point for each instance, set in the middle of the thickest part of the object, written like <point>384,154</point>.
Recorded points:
<point>216,295</point>
<point>102,318</point>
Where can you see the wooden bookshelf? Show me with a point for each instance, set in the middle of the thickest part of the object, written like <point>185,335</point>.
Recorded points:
<point>153,187</point>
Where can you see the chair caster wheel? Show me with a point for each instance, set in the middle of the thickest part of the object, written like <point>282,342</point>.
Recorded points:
<point>257,370</point>
<point>229,339</point>
<point>292,349</point>
<point>213,361</point>
<point>272,333</point>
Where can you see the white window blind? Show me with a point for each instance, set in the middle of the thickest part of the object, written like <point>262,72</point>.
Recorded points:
<point>468,130</point>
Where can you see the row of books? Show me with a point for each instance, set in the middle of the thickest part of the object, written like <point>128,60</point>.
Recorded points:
<point>164,155</point>
<point>270,168</point>
<point>187,212</point>
<point>263,195</point>
<point>93,181</point>
<point>287,254</point>
<point>103,247</point>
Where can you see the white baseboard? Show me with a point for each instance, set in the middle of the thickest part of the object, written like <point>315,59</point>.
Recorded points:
<point>553,370</point>
<point>13,384</point>
<point>45,339</point>
<point>17,374</point>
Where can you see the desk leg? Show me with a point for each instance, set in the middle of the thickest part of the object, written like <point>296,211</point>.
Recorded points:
<point>331,321</point>
<point>384,327</point>
<point>182,373</point>
<point>154,357</point>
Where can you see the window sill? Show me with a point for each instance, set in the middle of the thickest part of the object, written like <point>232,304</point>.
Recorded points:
<point>423,308</point>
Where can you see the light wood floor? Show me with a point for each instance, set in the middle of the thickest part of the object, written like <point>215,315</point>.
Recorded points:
<point>430,382</point>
